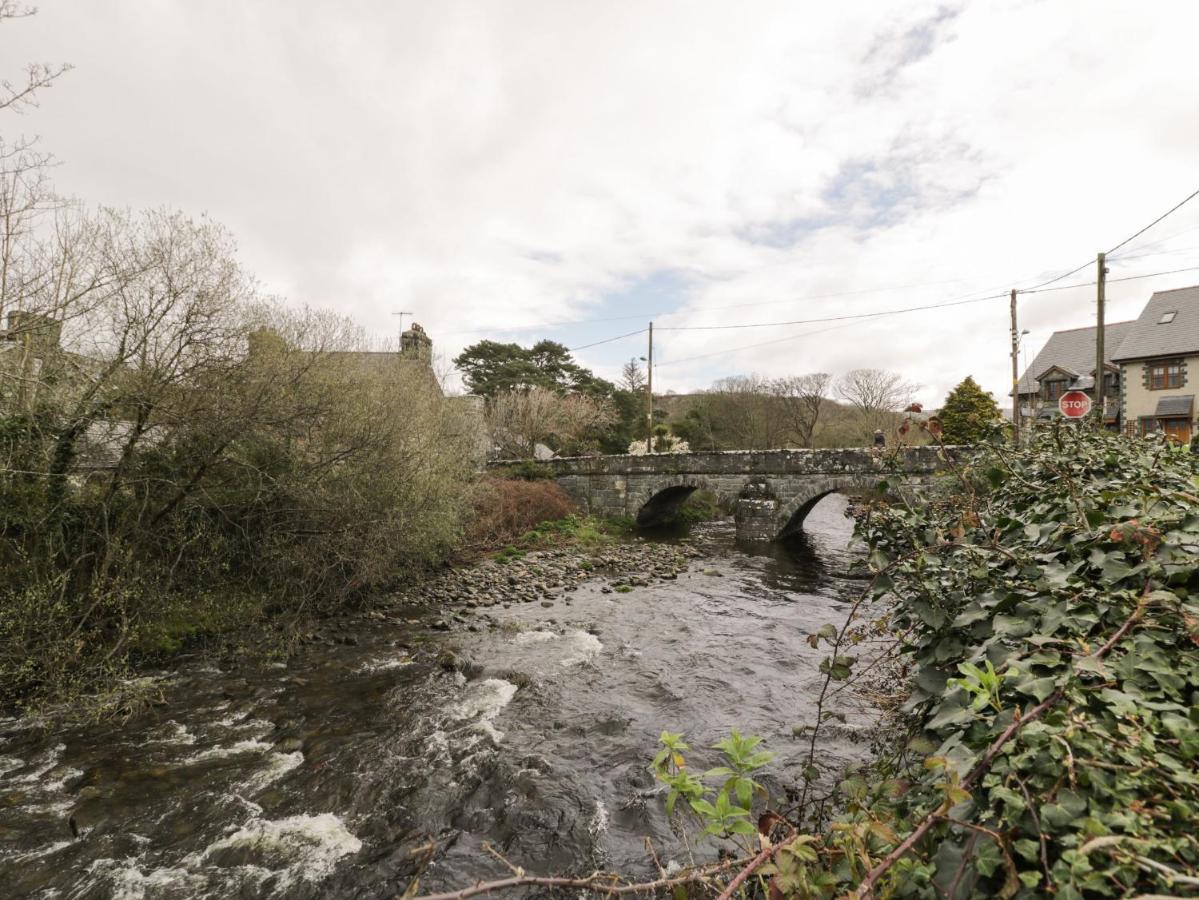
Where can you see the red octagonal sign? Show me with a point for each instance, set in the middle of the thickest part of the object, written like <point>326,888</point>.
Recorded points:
<point>1074,404</point>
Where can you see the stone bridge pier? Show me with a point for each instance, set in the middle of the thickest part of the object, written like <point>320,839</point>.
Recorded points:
<point>770,491</point>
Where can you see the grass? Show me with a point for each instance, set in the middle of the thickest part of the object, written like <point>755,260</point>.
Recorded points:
<point>586,532</point>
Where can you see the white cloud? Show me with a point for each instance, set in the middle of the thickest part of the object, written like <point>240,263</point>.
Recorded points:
<point>490,164</point>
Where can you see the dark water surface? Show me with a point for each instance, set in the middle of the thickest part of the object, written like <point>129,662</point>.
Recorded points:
<point>325,777</point>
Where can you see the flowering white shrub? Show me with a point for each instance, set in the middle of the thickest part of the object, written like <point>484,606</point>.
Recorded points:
<point>664,444</point>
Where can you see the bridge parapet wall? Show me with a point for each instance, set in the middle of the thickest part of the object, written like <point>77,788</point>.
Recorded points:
<point>849,460</point>
<point>784,483</point>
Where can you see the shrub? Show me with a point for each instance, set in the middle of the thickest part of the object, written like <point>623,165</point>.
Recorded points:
<point>505,509</point>
<point>526,470</point>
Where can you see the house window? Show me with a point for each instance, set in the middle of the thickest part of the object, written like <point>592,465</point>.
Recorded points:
<point>1054,389</point>
<point>1167,317</point>
<point>1165,375</point>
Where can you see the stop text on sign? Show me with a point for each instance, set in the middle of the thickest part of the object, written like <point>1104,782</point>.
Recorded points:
<point>1074,404</point>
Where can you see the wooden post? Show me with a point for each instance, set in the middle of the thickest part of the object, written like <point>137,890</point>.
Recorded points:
<point>1100,368</point>
<point>649,394</point>
<point>1015,375</point>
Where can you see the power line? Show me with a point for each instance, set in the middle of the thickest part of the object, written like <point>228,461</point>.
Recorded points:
<point>1091,262</point>
<point>1037,287</point>
<point>1166,239</point>
<point>1066,287</point>
<point>652,315</point>
<point>1147,255</point>
<point>1168,212</point>
<point>870,315</point>
<point>792,337</point>
<point>550,325</point>
<point>618,337</point>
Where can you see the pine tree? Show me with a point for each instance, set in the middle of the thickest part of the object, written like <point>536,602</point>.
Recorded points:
<point>969,413</point>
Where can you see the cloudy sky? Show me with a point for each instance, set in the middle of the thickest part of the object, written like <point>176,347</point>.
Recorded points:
<point>575,169</point>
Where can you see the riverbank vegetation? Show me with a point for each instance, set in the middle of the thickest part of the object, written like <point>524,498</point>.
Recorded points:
<point>180,456</point>
<point>1048,614</point>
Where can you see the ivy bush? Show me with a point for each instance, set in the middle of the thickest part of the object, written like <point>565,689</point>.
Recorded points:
<point>1049,613</point>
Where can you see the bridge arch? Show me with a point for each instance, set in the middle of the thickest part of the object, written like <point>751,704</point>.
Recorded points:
<point>795,511</point>
<point>658,501</point>
<point>663,506</point>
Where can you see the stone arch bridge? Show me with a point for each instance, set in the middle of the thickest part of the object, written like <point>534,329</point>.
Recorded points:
<point>771,491</point>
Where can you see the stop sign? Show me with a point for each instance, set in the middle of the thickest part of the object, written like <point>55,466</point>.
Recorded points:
<point>1074,404</point>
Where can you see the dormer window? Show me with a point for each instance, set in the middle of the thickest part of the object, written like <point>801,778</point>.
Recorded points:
<point>1167,317</point>
<point>1053,389</point>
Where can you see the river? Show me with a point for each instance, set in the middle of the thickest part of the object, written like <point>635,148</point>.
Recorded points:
<point>325,777</point>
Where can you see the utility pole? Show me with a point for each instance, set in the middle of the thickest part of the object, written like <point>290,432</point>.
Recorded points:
<point>649,394</point>
<point>1015,375</point>
<point>1100,369</point>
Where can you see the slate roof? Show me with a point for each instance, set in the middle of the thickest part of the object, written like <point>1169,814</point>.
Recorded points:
<point>1074,351</point>
<point>1180,337</point>
<point>1175,406</point>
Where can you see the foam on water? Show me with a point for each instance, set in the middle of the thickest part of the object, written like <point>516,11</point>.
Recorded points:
<point>483,701</point>
<point>531,637</point>
<point>42,851</point>
<point>45,782</point>
<point>599,820</point>
<point>278,765</point>
<point>174,733</point>
<point>574,645</point>
<point>250,745</point>
<point>48,761</point>
<point>381,665</point>
<point>304,847</point>
<point>289,850</point>
<point>581,647</point>
<point>127,881</point>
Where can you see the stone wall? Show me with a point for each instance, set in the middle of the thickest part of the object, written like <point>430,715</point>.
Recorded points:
<point>748,462</point>
<point>772,490</point>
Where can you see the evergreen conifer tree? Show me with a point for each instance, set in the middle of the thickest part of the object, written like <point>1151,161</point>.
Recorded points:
<point>968,414</point>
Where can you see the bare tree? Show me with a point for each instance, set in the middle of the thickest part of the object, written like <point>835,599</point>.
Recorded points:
<point>37,75</point>
<point>799,399</point>
<point>632,378</point>
<point>743,414</point>
<point>520,420</point>
<point>876,395</point>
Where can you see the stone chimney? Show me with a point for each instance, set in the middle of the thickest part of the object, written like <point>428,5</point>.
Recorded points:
<point>416,345</point>
<point>265,341</point>
<point>42,332</point>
